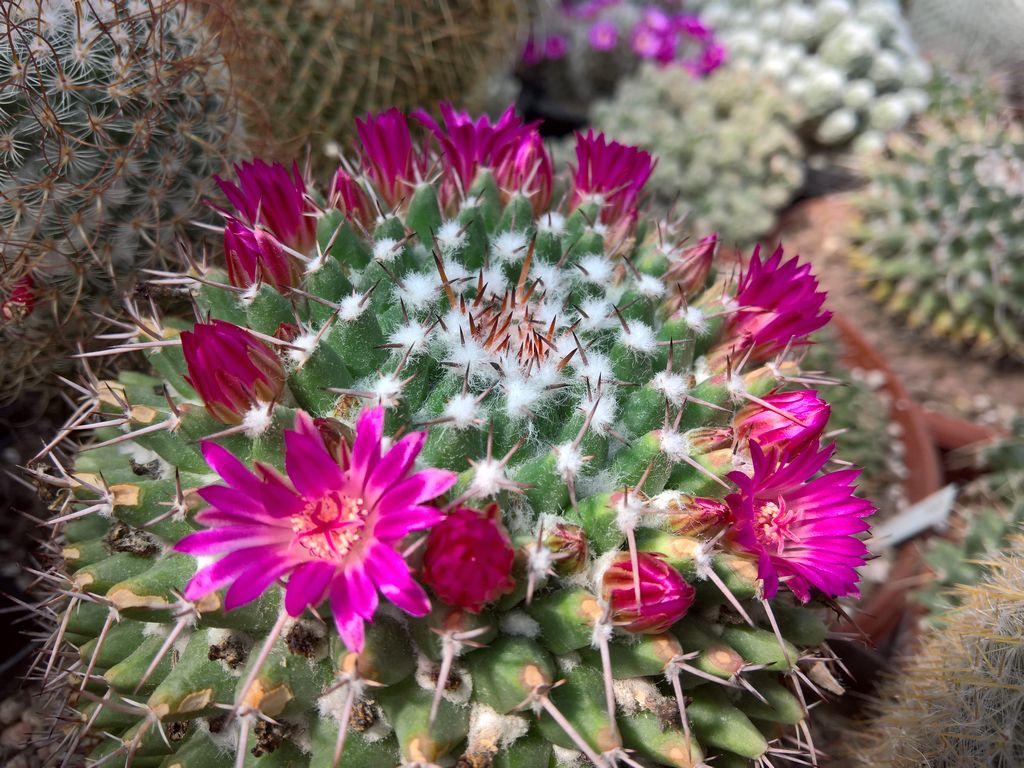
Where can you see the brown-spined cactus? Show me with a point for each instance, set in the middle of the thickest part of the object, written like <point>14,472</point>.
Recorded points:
<point>956,702</point>
<point>941,228</point>
<point>113,117</point>
<point>326,62</point>
<point>531,483</point>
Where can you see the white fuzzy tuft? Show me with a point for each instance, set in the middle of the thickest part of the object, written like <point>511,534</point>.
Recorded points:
<point>736,386</point>
<point>539,559</point>
<point>598,314</point>
<point>650,286</point>
<point>596,269</point>
<point>568,460</point>
<point>426,676</point>
<point>156,629</point>
<point>604,414</point>
<point>419,290</point>
<point>672,385</point>
<point>674,445</point>
<point>257,420</point>
<point>521,397</point>
<point>490,731</point>
<point>633,694</point>
<point>509,246</point>
<point>386,249</point>
<point>567,662</point>
<point>387,390</point>
<point>488,479</point>
<point>495,281</point>
<point>696,320</point>
<point>450,237</point>
<point>471,201</point>
<point>519,624</point>
<point>628,510</point>
<point>411,336</point>
<point>352,307</point>
<point>640,338</point>
<point>701,370</point>
<point>462,410</point>
<point>551,277</point>
<point>145,456</point>
<point>568,758</point>
<point>551,222</point>
<point>597,368</point>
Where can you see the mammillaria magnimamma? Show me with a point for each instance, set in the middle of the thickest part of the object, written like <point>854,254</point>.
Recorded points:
<point>473,479</point>
<point>114,117</point>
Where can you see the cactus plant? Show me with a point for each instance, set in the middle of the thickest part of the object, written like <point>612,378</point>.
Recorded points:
<point>989,512</point>
<point>113,118</point>
<point>956,701</point>
<point>726,147</point>
<point>534,480</point>
<point>850,64</point>
<point>325,63</point>
<point>941,230</point>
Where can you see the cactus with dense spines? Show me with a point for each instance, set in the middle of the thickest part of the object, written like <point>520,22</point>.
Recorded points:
<point>526,474</point>
<point>941,230</point>
<point>989,511</point>
<point>850,64</point>
<point>326,63</point>
<point>956,701</point>
<point>726,146</point>
<point>113,119</point>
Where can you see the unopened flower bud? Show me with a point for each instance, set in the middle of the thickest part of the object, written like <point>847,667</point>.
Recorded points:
<point>665,596</point>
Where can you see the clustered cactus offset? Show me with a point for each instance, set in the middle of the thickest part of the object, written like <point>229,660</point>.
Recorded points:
<point>113,117</point>
<point>727,149</point>
<point>942,230</point>
<point>563,449</point>
<point>851,64</point>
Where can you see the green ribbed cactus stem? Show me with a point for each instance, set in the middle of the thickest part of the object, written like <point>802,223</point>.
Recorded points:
<point>116,116</point>
<point>463,461</point>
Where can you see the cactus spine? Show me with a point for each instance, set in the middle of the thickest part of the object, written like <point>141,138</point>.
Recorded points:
<point>563,391</point>
<point>114,117</point>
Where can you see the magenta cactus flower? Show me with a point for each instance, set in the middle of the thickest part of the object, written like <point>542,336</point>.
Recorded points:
<point>389,159</point>
<point>468,560</point>
<point>253,256</point>
<point>803,531</point>
<point>231,370</point>
<point>611,173</point>
<point>525,168</point>
<point>348,197</point>
<point>603,36</point>
<point>269,197</point>
<point>555,47</point>
<point>779,305</point>
<point>786,422</point>
<point>665,596</point>
<point>330,527</point>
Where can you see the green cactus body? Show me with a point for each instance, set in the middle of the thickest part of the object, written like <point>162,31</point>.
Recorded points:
<point>728,154</point>
<point>940,227</point>
<point>115,117</point>
<point>955,700</point>
<point>509,344</point>
<point>850,64</point>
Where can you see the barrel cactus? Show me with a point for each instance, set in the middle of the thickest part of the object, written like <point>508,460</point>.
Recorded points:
<point>559,443</point>
<point>114,117</point>
<point>956,701</point>
<point>851,64</point>
<point>942,230</point>
<point>324,63</point>
<point>728,153</point>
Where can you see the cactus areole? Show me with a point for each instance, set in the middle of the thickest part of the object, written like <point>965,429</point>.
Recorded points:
<point>446,473</point>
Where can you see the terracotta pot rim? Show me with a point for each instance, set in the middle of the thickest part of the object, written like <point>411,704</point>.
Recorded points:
<point>884,608</point>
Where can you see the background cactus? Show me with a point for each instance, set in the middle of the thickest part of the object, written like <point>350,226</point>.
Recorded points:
<point>940,231</point>
<point>727,152</point>
<point>956,701</point>
<point>850,64</point>
<point>989,512</point>
<point>114,117</point>
<point>562,396</point>
<point>326,63</point>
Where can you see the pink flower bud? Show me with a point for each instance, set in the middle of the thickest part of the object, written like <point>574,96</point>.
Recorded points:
<point>690,269</point>
<point>468,560</point>
<point>665,596</point>
<point>696,515</point>
<point>794,421</point>
<point>231,369</point>
<point>270,197</point>
<point>21,301</point>
<point>349,198</point>
<point>568,546</point>
<point>525,168</point>
<point>255,254</point>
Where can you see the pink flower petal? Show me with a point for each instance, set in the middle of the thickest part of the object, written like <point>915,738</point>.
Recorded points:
<point>390,573</point>
<point>310,467</point>
<point>362,594</point>
<point>347,621</point>
<point>234,472</point>
<point>307,586</point>
<point>257,578</point>
<point>366,449</point>
<point>397,525</point>
<point>394,465</point>
<point>224,571</point>
<point>421,487</point>
<point>211,541</point>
